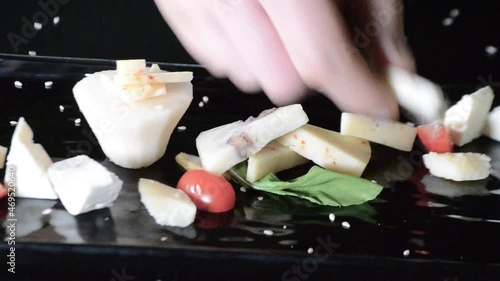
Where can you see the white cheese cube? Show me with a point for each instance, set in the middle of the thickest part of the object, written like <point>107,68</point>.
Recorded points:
<point>467,118</point>
<point>28,163</point>
<point>3,154</point>
<point>273,158</point>
<point>167,205</point>
<point>458,166</point>
<point>126,67</point>
<point>386,132</point>
<point>84,185</point>
<point>492,127</point>
<point>329,149</point>
<point>421,98</point>
<point>223,147</point>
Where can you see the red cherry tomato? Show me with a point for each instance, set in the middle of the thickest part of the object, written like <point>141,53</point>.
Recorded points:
<point>208,192</point>
<point>435,138</point>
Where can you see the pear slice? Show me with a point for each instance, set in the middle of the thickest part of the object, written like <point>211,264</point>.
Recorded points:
<point>27,165</point>
<point>223,147</point>
<point>133,135</point>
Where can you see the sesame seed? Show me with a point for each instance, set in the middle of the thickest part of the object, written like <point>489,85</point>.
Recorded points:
<point>37,25</point>
<point>201,104</point>
<point>56,20</point>
<point>406,253</point>
<point>346,225</point>
<point>491,50</point>
<point>331,217</point>
<point>61,108</point>
<point>260,198</point>
<point>448,21</point>
<point>284,227</point>
<point>78,121</point>
<point>205,99</point>
<point>181,128</point>
<point>454,13</point>
<point>242,189</point>
<point>268,232</point>
<point>32,53</point>
<point>374,181</point>
<point>46,212</point>
<point>13,123</point>
<point>310,251</point>
<point>18,84</point>
<point>49,84</point>
<point>163,239</point>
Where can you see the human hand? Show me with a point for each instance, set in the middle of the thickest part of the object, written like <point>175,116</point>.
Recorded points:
<point>340,48</point>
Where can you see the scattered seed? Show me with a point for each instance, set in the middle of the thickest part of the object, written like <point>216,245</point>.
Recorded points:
<point>260,198</point>
<point>13,123</point>
<point>181,128</point>
<point>242,189</point>
<point>49,84</point>
<point>37,25</point>
<point>491,50</point>
<point>205,99</point>
<point>56,20</point>
<point>284,227</point>
<point>268,232</point>
<point>448,21</point>
<point>406,253</point>
<point>61,108</point>
<point>331,217</point>
<point>32,53</point>
<point>454,13</point>
<point>201,104</point>
<point>46,212</point>
<point>78,121</point>
<point>310,251</point>
<point>374,181</point>
<point>18,84</point>
<point>346,225</point>
<point>163,239</point>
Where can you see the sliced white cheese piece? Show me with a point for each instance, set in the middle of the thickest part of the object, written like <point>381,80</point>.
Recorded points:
<point>127,67</point>
<point>329,149</point>
<point>467,118</point>
<point>27,162</point>
<point>458,166</point>
<point>84,185</point>
<point>492,127</point>
<point>421,98</point>
<point>132,135</point>
<point>273,158</point>
<point>223,147</point>
<point>167,205</point>
<point>3,154</point>
<point>154,78</point>
<point>386,132</point>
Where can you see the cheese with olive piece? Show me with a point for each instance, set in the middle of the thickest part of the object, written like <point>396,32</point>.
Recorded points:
<point>386,132</point>
<point>458,166</point>
<point>329,149</point>
<point>273,158</point>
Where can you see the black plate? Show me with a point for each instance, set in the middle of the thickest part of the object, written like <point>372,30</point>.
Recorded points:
<point>413,229</point>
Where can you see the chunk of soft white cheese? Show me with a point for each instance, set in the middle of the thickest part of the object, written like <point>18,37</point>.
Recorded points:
<point>421,98</point>
<point>154,78</point>
<point>458,166</point>
<point>127,67</point>
<point>386,132</point>
<point>329,149</point>
<point>492,127</point>
<point>273,158</point>
<point>27,163</point>
<point>167,205</point>
<point>467,118</point>
<point>132,135</point>
<point>223,147</point>
<point>84,185</point>
<point>139,92</point>
<point>3,154</point>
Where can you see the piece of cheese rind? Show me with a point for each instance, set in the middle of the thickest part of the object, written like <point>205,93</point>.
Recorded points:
<point>223,147</point>
<point>84,185</point>
<point>467,118</point>
<point>132,135</point>
<point>329,149</point>
<point>167,205</point>
<point>386,132</point>
<point>492,127</point>
<point>127,67</point>
<point>273,158</point>
<point>3,154</point>
<point>419,97</point>
<point>458,166</point>
<point>163,77</point>
<point>27,164</point>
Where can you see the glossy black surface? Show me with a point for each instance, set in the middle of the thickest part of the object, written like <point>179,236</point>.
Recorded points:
<point>459,235</point>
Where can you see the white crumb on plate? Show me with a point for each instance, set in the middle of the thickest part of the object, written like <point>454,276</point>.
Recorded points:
<point>163,239</point>
<point>205,99</point>
<point>331,217</point>
<point>310,251</point>
<point>346,225</point>
<point>56,20</point>
<point>46,212</point>
<point>284,227</point>
<point>201,104</point>
<point>406,253</point>
<point>32,53</point>
<point>106,218</point>
<point>243,189</point>
<point>454,13</point>
<point>78,121</point>
<point>48,84</point>
<point>37,25</point>
<point>268,232</point>
<point>181,128</point>
<point>491,50</point>
<point>18,84</point>
<point>448,21</point>
<point>260,198</point>
<point>61,108</point>
<point>13,123</point>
